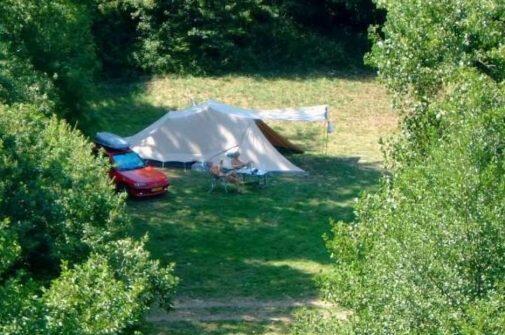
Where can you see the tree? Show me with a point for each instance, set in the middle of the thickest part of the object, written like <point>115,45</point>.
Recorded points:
<point>66,265</point>
<point>426,252</point>
<point>425,43</point>
<point>210,37</point>
<point>48,52</point>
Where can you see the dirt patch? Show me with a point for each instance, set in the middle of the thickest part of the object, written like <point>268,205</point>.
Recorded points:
<point>238,309</point>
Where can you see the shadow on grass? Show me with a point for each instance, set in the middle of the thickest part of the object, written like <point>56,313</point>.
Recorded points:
<point>357,71</point>
<point>122,109</point>
<point>262,243</point>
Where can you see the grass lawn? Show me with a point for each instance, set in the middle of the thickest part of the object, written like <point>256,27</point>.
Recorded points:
<point>260,244</point>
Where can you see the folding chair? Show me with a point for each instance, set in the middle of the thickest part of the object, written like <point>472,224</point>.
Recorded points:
<point>222,178</point>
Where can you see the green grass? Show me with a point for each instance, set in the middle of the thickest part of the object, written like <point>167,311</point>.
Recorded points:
<point>260,243</point>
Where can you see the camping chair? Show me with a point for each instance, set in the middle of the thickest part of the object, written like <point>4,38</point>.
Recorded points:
<point>218,176</point>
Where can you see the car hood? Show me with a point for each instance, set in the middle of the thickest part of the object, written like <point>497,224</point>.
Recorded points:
<point>147,174</point>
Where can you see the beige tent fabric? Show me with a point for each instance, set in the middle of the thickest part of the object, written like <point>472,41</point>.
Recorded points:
<point>201,133</point>
<point>256,148</point>
<point>197,136</point>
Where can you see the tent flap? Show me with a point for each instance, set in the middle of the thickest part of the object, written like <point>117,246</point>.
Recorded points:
<point>277,140</point>
<point>310,114</point>
<point>314,113</point>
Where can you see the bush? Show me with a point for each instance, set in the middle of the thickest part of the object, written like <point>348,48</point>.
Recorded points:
<point>188,36</point>
<point>116,35</point>
<point>65,265</point>
<point>422,45</point>
<point>48,53</point>
<point>108,293</point>
<point>19,82</point>
<point>426,253</point>
<point>429,247</point>
<point>238,36</point>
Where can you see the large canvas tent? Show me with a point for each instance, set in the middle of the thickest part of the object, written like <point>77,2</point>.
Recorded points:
<point>208,131</point>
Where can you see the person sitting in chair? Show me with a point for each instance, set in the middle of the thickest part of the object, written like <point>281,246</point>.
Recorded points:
<point>231,177</point>
<point>236,163</point>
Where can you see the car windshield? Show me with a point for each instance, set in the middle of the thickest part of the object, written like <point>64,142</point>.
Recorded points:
<point>127,161</point>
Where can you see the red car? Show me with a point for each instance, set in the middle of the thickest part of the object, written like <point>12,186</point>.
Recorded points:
<point>129,171</point>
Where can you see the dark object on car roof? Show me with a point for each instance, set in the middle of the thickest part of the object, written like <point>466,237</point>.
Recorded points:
<point>112,141</point>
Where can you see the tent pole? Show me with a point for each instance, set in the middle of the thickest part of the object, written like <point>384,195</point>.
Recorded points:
<point>327,115</point>
<point>322,143</point>
<point>326,140</point>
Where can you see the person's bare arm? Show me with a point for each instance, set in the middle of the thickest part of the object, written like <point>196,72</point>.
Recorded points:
<point>237,163</point>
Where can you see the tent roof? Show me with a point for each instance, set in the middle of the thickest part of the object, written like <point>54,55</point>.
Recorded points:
<point>206,132</point>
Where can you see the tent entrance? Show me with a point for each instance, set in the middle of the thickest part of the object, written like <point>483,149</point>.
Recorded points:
<point>277,140</point>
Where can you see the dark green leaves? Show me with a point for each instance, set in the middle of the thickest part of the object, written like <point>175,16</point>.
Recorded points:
<point>426,254</point>
<point>65,264</point>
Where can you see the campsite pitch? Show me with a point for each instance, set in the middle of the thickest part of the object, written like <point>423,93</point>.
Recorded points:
<point>248,261</point>
<point>236,252</point>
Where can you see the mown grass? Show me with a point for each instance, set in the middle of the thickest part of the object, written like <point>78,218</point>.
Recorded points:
<point>260,243</point>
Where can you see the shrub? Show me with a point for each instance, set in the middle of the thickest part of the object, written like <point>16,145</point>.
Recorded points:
<point>211,37</point>
<point>56,191</point>
<point>108,293</point>
<point>217,36</point>
<point>48,53</point>
<point>429,247</point>
<point>65,265</point>
<point>422,45</point>
<point>425,254</point>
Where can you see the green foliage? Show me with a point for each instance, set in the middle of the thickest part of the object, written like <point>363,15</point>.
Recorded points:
<point>207,36</point>
<point>20,82</point>
<point>58,207</point>
<point>21,309</point>
<point>9,248</point>
<point>90,300</point>
<point>47,53</point>
<point>426,253</point>
<point>422,45</point>
<point>312,322</point>
<point>56,194</point>
<point>109,292</point>
<point>115,33</point>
